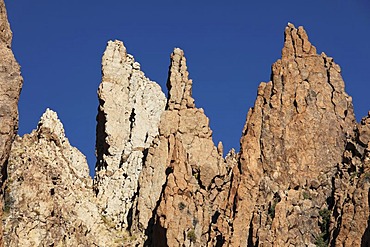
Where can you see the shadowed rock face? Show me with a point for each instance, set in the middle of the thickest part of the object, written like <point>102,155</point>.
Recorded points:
<point>301,178</point>
<point>349,225</point>
<point>10,87</point>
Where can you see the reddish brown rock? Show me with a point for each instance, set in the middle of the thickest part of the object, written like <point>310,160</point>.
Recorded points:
<point>185,179</point>
<point>291,144</point>
<point>10,86</point>
<point>349,225</point>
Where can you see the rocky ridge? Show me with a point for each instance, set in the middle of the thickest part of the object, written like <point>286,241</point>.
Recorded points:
<point>301,177</point>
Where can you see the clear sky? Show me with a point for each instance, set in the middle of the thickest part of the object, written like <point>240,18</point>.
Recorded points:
<point>229,45</point>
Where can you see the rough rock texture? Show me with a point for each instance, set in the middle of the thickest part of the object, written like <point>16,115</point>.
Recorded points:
<point>301,178</point>
<point>292,142</point>
<point>49,199</point>
<point>350,222</point>
<point>129,113</point>
<point>184,182</point>
<point>10,86</point>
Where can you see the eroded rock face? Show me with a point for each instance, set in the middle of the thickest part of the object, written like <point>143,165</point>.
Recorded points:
<point>48,198</point>
<point>10,87</point>
<point>292,142</point>
<point>129,113</point>
<point>185,179</point>
<point>301,178</point>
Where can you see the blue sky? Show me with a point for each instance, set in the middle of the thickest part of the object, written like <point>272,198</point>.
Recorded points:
<point>229,46</point>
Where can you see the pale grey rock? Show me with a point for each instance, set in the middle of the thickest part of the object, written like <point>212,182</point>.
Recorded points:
<point>128,118</point>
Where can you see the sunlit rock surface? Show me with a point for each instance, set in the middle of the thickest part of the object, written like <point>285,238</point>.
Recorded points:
<point>301,177</point>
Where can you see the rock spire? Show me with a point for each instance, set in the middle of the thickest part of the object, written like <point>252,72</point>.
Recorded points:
<point>179,85</point>
<point>48,198</point>
<point>185,179</point>
<point>292,142</point>
<point>129,113</point>
<point>301,178</point>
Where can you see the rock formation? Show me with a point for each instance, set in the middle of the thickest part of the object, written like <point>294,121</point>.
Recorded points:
<point>292,142</point>
<point>301,178</point>
<point>129,113</point>
<point>11,83</point>
<point>185,179</point>
<point>10,87</point>
<point>49,199</point>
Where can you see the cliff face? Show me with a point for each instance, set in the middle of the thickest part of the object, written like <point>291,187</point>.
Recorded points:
<point>292,142</point>
<point>129,113</point>
<point>10,86</point>
<point>301,177</point>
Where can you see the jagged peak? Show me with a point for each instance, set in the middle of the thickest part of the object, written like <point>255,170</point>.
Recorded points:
<point>179,85</point>
<point>117,63</point>
<point>50,123</point>
<point>5,32</point>
<point>296,43</point>
<point>115,46</point>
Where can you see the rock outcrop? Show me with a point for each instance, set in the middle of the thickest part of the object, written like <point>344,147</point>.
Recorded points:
<point>49,200</point>
<point>10,87</point>
<point>129,113</point>
<point>293,140</point>
<point>185,179</point>
<point>301,178</point>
